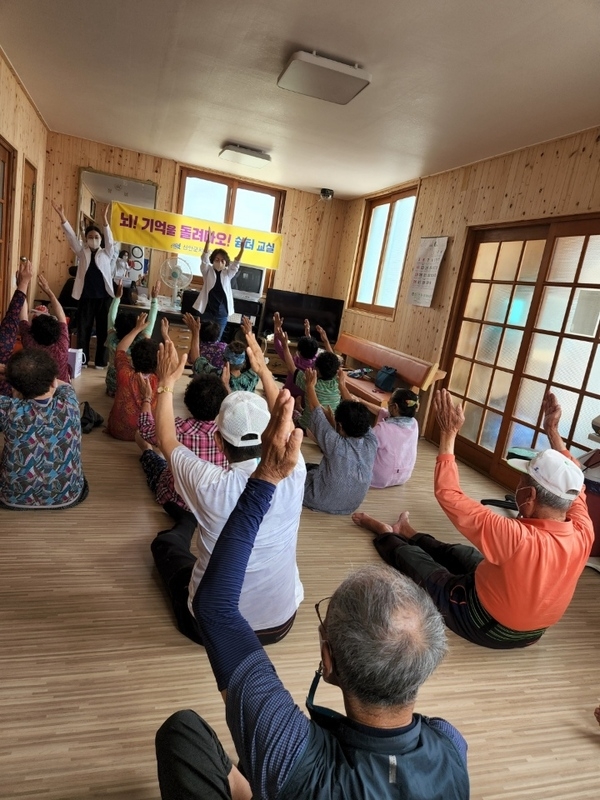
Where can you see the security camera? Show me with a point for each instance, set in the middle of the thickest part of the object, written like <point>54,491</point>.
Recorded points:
<point>326,194</point>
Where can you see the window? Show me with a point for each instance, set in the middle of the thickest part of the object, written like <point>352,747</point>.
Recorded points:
<point>383,250</point>
<point>222,199</point>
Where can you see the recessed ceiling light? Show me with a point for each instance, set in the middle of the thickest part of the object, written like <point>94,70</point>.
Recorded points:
<point>317,76</point>
<point>245,155</point>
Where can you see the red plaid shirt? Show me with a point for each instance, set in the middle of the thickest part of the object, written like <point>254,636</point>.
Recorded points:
<point>196,435</point>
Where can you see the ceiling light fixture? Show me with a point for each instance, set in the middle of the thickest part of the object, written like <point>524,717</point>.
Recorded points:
<point>247,156</point>
<point>317,76</point>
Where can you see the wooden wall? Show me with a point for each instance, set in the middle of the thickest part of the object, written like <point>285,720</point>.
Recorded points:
<point>312,228</point>
<point>24,131</point>
<point>66,156</point>
<point>554,179</point>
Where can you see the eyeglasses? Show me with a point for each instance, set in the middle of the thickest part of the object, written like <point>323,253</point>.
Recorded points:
<point>318,609</point>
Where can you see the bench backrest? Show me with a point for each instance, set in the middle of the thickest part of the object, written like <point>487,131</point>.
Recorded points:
<point>418,374</point>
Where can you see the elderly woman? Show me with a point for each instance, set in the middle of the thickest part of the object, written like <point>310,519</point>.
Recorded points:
<point>40,466</point>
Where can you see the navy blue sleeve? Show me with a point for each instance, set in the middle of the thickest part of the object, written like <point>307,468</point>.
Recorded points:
<point>455,736</point>
<point>227,637</point>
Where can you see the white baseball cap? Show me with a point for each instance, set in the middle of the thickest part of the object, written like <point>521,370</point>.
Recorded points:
<point>242,418</point>
<point>555,472</point>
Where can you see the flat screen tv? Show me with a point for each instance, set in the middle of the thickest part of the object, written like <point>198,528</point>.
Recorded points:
<point>295,308</point>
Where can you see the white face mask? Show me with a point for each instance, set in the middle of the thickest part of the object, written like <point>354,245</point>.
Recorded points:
<point>93,242</point>
<point>517,502</point>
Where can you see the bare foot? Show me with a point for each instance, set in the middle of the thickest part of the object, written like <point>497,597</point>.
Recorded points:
<point>142,443</point>
<point>371,524</point>
<point>403,526</point>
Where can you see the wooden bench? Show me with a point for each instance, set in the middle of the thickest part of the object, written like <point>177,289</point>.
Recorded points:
<point>413,373</point>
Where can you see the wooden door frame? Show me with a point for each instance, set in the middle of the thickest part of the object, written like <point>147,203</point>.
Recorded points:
<point>8,218</point>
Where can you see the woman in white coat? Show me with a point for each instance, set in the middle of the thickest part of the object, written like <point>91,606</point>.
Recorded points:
<point>215,301</point>
<point>93,286</point>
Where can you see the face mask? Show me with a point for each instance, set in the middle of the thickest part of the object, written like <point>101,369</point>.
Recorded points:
<point>517,502</point>
<point>93,242</point>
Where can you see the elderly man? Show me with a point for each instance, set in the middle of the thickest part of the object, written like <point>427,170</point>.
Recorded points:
<point>272,589</point>
<point>523,575</point>
<point>381,638</point>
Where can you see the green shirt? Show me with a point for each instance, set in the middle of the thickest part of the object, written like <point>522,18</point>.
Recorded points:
<point>328,394</point>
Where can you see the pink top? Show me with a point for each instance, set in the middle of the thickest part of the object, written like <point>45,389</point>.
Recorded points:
<point>397,439</point>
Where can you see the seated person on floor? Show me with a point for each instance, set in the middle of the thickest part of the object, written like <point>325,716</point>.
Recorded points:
<point>338,484</point>
<point>40,466</point>
<point>123,417</point>
<point>272,589</point>
<point>47,331</point>
<point>523,575</point>
<point>380,748</point>
<point>237,374</point>
<point>203,397</point>
<point>397,434</point>
<point>327,387</point>
<point>304,357</point>
<point>9,327</point>
<point>119,325</point>
<point>205,335</point>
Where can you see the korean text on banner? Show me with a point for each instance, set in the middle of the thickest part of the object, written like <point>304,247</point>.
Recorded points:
<point>180,235</point>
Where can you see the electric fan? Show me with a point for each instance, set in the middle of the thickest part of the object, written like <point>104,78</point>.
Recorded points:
<point>176,273</point>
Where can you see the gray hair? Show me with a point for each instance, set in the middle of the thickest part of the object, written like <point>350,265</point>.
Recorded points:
<point>386,636</point>
<point>545,497</point>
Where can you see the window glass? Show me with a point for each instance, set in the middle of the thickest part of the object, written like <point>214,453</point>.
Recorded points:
<point>253,210</point>
<point>385,251</point>
<point>395,252</point>
<point>205,199</point>
<point>372,254</point>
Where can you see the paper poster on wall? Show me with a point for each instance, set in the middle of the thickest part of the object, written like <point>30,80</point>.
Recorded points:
<point>427,264</point>
<point>181,235</point>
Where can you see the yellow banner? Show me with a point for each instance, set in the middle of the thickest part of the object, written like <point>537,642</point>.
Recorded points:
<point>183,236</point>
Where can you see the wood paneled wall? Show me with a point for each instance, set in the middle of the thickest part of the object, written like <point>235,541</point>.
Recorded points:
<point>23,129</point>
<point>66,155</point>
<point>554,179</point>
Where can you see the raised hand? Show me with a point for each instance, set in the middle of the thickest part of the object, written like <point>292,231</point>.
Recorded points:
<point>306,327</point>
<point>59,208</point>
<point>552,413</point>
<point>141,322</point>
<point>246,326</point>
<point>170,364</point>
<point>106,215</point>
<point>24,275</point>
<point>119,289</point>
<point>280,442</point>
<point>255,354</point>
<point>155,291</point>
<point>226,375</point>
<point>44,285</point>
<point>310,376</point>
<point>450,417</point>
<point>192,322</point>
<point>164,329</point>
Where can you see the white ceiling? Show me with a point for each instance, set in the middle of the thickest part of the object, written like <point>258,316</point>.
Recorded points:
<point>453,82</point>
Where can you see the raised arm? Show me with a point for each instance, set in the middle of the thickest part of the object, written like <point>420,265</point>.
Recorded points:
<point>169,369</point>
<point>155,291</point>
<point>24,312</point>
<point>286,355</point>
<point>324,338</point>
<point>55,306</point>
<point>193,324</point>
<point>114,306</point>
<point>241,251</point>
<point>129,339</point>
<point>552,413</point>
<point>259,365</point>
<point>310,395</point>
<point>74,243</point>
<point>450,419</point>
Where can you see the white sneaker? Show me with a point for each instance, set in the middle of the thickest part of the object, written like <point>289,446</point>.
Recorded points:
<point>97,367</point>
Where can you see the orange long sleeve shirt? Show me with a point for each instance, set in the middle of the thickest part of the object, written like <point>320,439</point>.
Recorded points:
<point>531,566</point>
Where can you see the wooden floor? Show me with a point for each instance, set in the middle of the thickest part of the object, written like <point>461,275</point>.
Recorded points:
<point>91,663</point>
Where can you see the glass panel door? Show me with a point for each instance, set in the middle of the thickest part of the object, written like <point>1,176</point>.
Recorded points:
<point>531,324</point>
